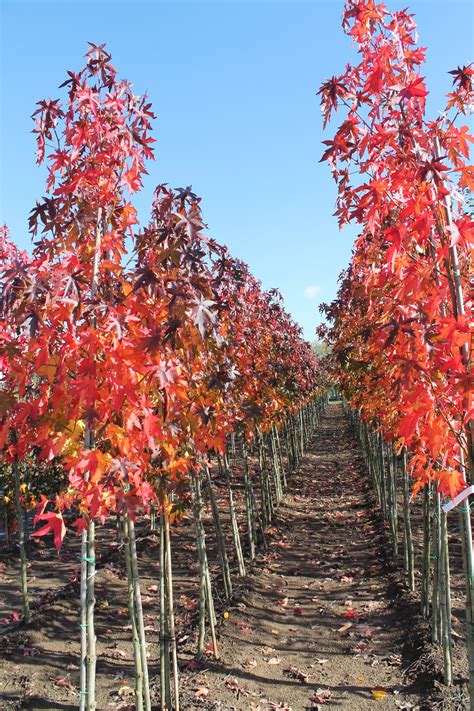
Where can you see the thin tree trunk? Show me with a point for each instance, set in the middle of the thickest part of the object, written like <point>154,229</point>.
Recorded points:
<point>211,613</point>
<point>165,672</point>
<point>393,499</point>
<point>221,547</point>
<point>22,544</point>
<point>83,623</point>
<point>249,501</point>
<point>139,613</point>
<point>283,472</point>
<point>436,595</point>
<point>383,483</point>
<point>201,547</point>
<point>445,599</point>
<point>408,538</point>
<point>425,587</point>
<point>133,620</point>
<point>234,521</point>
<point>90,605</point>
<point>275,466</point>
<point>172,633</point>
<point>468,565</point>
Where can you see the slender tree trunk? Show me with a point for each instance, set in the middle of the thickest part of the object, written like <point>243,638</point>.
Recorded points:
<point>234,521</point>
<point>90,605</point>
<point>83,623</point>
<point>288,447</point>
<point>133,620</point>
<point>249,501</point>
<point>383,483</point>
<point>425,588</point>
<point>436,595</point>
<point>152,518</point>
<point>139,614</point>
<point>393,499</point>
<point>282,468</point>
<point>468,565</point>
<point>201,548</point>
<point>172,633</point>
<point>445,599</point>
<point>165,671</point>
<point>88,640</point>
<point>408,538</point>
<point>263,489</point>
<point>275,466</point>
<point>221,547</point>
<point>22,544</point>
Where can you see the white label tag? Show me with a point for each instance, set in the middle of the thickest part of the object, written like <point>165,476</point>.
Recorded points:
<point>457,500</point>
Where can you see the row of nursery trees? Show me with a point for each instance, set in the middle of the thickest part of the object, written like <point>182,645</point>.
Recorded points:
<point>128,359</point>
<point>400,328</point>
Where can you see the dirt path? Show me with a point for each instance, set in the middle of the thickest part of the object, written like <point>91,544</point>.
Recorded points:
<point>317,625</point>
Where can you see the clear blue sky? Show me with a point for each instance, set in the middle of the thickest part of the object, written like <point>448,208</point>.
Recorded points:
<point>233,85</point>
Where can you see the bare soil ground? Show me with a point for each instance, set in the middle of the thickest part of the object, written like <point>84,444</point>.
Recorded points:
<point>323,619</point>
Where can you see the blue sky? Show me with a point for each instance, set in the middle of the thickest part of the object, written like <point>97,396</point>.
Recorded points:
<point>233,85</point>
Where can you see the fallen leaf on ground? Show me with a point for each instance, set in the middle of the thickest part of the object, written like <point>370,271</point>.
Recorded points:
<point>379,694</point>
<point>242,626</point>
<point>209,649</point>
<point>351,613</point>
<point>295,673</point>
<point>201,692</point>
<point>62,683</point>
<point>321,696</point>
<point>125,691</point>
